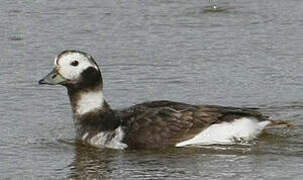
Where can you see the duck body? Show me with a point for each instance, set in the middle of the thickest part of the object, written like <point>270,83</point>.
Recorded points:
<point>155,124</point>
<point>166,123</point>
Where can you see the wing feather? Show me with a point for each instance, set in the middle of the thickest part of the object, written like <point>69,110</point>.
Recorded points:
<point>165,123</point>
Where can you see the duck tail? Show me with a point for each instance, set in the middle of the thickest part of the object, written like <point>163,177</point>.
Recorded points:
<point>279,124</point>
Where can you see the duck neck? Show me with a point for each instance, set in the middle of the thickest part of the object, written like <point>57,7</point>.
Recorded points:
<point>91,112</point>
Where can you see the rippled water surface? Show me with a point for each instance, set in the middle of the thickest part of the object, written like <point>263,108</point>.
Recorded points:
<point>245,53</point>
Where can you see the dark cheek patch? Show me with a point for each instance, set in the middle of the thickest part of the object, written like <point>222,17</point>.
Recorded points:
<point>90,79</point>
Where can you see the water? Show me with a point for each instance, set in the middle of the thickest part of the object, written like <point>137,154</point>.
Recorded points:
<point>244,53</point>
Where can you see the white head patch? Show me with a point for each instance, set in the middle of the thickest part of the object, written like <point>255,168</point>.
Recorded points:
<point>71,64</point>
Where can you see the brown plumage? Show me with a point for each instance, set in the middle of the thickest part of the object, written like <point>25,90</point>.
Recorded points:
<point>147,125</point>
<point>166,123</point>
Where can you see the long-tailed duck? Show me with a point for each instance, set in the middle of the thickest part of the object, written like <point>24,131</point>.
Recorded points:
<point>151,124</point>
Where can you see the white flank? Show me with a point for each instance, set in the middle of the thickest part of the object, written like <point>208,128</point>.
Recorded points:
<point>243,129</point>
<point>89,101</point>
<point>84,136</point>
<point>105,139</point>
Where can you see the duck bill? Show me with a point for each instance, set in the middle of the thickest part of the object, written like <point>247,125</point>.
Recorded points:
<point>53,78</point>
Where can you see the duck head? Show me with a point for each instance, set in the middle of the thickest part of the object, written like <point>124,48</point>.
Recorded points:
<point>75,70</point>
<point>80,74</point>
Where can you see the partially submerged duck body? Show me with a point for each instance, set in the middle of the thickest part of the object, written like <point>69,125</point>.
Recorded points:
<point>153,124</point>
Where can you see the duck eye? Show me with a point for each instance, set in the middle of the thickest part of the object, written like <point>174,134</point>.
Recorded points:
<point>75,63</point>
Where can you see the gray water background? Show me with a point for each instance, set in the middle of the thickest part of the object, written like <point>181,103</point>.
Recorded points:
<point>246,53</point>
